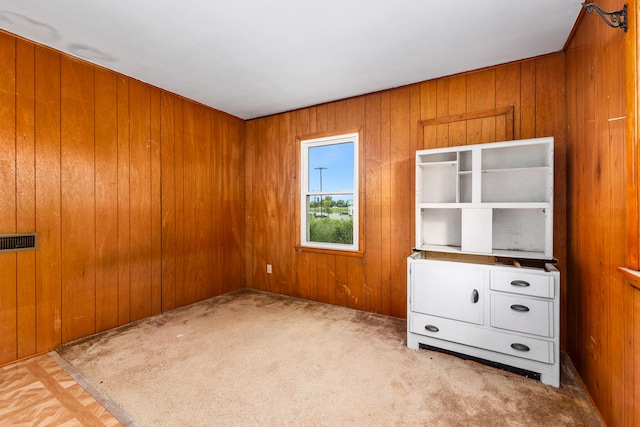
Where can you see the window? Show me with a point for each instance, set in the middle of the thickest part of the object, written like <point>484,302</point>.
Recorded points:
<point>329,193</point>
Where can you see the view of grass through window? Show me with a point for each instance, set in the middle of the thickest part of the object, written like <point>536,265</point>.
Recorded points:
<point>330,192</point>
<point>330,221</point>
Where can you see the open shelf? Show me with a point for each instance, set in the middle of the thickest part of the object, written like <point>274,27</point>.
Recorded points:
<point>517,185</point>
<point>494,199</point>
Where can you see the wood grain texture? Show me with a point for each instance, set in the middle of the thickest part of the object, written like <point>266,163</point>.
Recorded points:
<point>627,401</point>
<point>156,201</point>
<point>39,392</point>
<point>288,184</point>
<point>492,125</point>
<point>219,180</point>
<point>140,147</point>
<point>124,225</point>
<point>356,266</point>
<point>372,216</point>
<point>8,261</point>
<point>391,133</point>
<point>77,170</point>
<point>627,161</point>
<point>386,207</point>
<point>25,195</point>
<point>632,104</point>
<point>203,249</point>
<point>124,228</point>
<point>106,199</point>
<point>599,193</point>
<point>233,248</point>
<point>249,157</point>
<point>634,334</point>
<point>48,206</point>
<point>632,408</point>
<point>167,220</point>
<point>169,214</point>
<point>179,138</point>
<point>190,248</point>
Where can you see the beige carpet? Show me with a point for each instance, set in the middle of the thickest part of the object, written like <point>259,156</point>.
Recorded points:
<point>251,358</point>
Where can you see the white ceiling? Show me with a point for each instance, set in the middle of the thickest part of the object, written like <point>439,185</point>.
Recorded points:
<point>255,58</point>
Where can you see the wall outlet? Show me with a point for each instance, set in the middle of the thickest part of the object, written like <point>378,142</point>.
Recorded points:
<point>269,269</point>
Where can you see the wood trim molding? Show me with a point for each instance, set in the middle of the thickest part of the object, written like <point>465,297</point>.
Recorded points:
<point>632,276</point>
<point>631,131</point>
<point>507,112</point>
<point>327,134</point>
<point>353,254</point>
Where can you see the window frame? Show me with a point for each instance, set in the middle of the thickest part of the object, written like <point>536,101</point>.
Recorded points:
<point>311,141</point>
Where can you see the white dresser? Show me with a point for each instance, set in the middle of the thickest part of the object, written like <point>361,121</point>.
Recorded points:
<point>479,209</point>
<point>497,313</point>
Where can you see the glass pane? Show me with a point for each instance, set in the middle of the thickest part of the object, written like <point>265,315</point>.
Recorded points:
<point>331,168</point>
<point>330,218</point>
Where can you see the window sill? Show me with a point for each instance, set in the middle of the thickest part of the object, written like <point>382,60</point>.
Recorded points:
<point>632,275</point>
<point>354,254</point>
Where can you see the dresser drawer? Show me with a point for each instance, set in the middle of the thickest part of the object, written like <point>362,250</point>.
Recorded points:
<point>523,282</point>
<point>520,314</point>
<point>477,336</point>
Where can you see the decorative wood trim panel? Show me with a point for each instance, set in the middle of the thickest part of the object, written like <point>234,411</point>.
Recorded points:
<point>630,389</point>
<point>502,129</point>
<point>632,79</point>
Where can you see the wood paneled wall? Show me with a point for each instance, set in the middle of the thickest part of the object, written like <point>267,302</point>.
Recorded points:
<point>145,201</point>
<point>137,195</point>
<point>389,122</point>
<point>599,297</point>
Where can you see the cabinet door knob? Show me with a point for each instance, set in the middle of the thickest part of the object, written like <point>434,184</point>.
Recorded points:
<point>520,347</point>
<point>475,296</point>
<point>520,307</point>
<point>431,328</point>
<point>522,283</point>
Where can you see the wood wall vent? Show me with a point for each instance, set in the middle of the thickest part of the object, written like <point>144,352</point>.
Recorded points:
<point>18,242</point>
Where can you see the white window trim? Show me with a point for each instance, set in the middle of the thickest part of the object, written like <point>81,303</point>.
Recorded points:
<point>305,144</point>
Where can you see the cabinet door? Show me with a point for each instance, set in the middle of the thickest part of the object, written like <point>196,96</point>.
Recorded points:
<point>451,290</point>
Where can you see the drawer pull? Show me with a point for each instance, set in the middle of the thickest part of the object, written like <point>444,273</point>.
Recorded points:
<point>475,296</point>
<point>522,283</point>
<point>520,307</point>
<point>520,347</point>
<point>431,328</point>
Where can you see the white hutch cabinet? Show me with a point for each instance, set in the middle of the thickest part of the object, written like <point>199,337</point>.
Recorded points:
<point>493,199</point>
<point>495,202</point>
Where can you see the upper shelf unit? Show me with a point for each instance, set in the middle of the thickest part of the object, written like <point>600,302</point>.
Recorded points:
<point>492,198</point>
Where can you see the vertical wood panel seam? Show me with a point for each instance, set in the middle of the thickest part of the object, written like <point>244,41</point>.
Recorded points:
<point>35,199</point>
<point>129,200</point>
<point>15,180</point>
<point>159,165</point>
<point>35,203</point>
<point>150,143</point>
